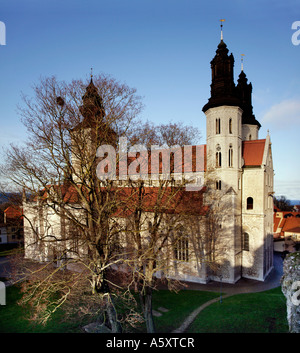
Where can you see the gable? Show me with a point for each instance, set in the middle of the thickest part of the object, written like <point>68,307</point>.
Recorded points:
<point>253,152</point>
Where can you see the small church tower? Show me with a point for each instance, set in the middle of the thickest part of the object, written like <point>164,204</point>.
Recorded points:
<point>93,131</point>
<point>250,125</point>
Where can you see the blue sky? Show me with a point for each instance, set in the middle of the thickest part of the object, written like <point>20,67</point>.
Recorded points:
<point>163,48</point>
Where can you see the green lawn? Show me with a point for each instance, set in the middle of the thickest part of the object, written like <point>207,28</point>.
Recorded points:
<point>180,305</point>
<point>254,312</point>
<point>262,312</point>
<point>13,318</point>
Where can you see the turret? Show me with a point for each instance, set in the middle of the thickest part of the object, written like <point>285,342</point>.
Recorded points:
<point>250,125</point>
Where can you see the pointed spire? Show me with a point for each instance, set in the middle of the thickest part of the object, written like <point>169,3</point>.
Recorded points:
<point>242,62</point>
<point>222,20</point>
<point>223,90</point>
<point>92,107</point>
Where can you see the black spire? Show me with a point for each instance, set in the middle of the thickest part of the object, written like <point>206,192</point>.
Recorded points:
<point>92,108</point>
<point>94,117</point>
<point>244,93</point>
<point>223,90</point>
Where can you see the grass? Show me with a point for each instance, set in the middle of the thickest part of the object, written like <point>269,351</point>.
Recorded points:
<point>263,312</point>
<point>13,318</point>
<point>253,312</point>
<point>180,305</point>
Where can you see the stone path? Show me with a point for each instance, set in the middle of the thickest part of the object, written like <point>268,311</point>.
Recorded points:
<point>159,311</point>
<point>196,312</point>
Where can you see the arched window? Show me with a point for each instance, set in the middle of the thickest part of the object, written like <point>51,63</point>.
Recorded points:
<point>230,126</point>
<point>249,203</point>
<point>230,156</point>
<point>218,185</point>
<point>250,137</point>
<point>181,246</point>
<point>245,242</point>
<point>218,157</point>
<point>218,126</point>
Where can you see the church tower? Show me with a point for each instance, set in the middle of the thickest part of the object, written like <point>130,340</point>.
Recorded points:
<point>224,117</point>
<point>93,131</point>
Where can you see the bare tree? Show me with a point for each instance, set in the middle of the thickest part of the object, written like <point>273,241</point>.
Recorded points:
<point>154,210</point>
<point>72,216</point>
<point>282,203</point>
<point>69,206</point>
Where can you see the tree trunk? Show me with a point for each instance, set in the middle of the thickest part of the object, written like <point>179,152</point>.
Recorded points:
<point>147,308</point>
<point>101,286</point>
<point>112,315</point>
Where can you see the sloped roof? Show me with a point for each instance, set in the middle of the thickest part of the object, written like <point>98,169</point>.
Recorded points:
<point>13,212</point>
<point>253,152</point>
<point>292,224</point>
<point>167,199</point>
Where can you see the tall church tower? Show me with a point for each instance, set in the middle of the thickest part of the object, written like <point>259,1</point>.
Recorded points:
<point>239,176</point>
<point>224,117</point>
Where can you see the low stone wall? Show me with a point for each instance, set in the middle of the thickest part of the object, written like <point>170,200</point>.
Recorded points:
<point>290,285</point>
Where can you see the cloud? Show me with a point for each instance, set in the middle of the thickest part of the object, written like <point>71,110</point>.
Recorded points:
<point>283,113</point>
<point>290,189</point>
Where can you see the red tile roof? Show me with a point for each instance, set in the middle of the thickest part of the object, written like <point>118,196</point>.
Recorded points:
<point>253,152</point>
<point>167,199</point>
<point>292,224</point>
<point>13,212</point>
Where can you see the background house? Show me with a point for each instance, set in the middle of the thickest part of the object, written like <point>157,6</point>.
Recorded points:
<point>11,226</point>
<point>286,231</point>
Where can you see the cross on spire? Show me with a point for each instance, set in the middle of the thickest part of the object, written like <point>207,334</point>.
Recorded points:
<point>242,62</point>
<point>222,20</point>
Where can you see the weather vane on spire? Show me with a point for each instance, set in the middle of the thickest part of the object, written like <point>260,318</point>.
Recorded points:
<point>91,72</point>
<point>222,20</point>
<point>242,61</point>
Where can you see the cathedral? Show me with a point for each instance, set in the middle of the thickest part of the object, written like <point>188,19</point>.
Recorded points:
<point>238,179</point>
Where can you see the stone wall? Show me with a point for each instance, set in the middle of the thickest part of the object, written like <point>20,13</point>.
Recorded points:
<point>290,285</point>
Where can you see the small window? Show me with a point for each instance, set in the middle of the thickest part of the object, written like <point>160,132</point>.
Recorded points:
<point>218,126</point>
<point>230,156</point>
<point>218,159</point>
<point>249,203</point>
<point>230,126</point>
<point>218,185</point>
<point>245,242</point>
